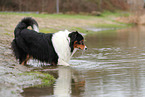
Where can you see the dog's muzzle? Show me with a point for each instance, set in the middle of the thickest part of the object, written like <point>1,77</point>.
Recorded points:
<point>85,48</point>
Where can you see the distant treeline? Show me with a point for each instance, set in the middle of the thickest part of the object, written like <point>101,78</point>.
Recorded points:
<point>49,6</point>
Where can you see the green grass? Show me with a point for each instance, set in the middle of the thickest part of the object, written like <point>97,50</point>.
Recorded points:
<point>7,34</point>
<point>117,25</point>
<point>116,14</point>
<point>13,92</point>
<point>74,16</point>
<point>105,16</point>
<point>49,15</point>
<point>109,32</point>
<point>82,30</point>
<point>46,30</point>
<point>46,79</point>
<point>1,25</point>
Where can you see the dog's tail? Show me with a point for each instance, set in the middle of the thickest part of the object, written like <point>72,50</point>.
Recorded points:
<point>24,23</point>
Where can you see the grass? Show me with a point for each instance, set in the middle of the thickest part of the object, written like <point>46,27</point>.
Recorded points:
<point>106,20</point>
<point>75,16</point>
<point>82,30</point>
<point>46,79</point>
<point>105,33</point>
<point>118,25</point>
<point>50,30</point>
<point>116,14</point>
<point>107,15</point>
<point>7,34</point>
<point>13,92</point>
<point>1,25</point>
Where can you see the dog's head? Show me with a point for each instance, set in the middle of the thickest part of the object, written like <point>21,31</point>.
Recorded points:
<point>77,41</point>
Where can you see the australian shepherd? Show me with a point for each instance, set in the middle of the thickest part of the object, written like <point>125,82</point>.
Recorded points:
<point>53,48</point>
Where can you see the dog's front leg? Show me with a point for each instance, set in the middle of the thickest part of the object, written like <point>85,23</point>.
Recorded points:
<point>61,62</point>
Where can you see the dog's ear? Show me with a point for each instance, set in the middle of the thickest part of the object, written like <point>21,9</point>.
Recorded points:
<point>73,36</point>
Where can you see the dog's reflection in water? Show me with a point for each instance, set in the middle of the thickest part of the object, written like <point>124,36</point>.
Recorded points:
<point>63,85</point>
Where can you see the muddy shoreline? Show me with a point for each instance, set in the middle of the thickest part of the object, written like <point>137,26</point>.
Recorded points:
<point>11,82</point>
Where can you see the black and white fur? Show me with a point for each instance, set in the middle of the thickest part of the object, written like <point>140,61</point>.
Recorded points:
<point>53,48</point>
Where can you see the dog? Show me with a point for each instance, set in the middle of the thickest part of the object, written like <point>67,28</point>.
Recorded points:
<point>53,48</point>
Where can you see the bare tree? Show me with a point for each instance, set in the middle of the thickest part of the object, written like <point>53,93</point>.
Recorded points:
<point>57,6</point>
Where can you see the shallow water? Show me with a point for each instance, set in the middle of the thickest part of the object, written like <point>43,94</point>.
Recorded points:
<point>113,66</point>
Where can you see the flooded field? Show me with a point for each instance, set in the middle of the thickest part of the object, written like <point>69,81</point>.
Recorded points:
<point>113,66</point>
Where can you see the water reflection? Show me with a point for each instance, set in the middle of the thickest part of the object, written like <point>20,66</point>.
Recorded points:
<point>113,66</point>
<point>62,87</point>
<point>68,82</point>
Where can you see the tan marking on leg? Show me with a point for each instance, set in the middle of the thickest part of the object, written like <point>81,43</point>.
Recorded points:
<point>25,61</point>
<point>28,58</point>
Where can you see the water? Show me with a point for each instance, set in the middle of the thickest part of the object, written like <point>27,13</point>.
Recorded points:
<point>113,66</point>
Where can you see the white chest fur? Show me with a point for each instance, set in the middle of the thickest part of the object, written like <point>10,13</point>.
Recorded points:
<point>60,42</point>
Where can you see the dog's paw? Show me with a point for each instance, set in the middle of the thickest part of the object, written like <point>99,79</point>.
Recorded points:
<point>63,63</point>
<point>66,64</point>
